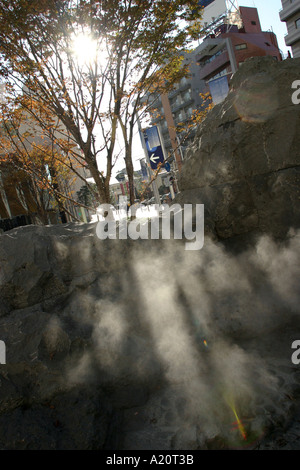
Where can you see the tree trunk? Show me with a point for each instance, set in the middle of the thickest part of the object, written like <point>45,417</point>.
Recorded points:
<point>101,185</point>
<point>130,174</point>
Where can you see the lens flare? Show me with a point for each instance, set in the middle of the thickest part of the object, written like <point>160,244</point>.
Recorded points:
<point>257,99</point>
<point>238,424</point>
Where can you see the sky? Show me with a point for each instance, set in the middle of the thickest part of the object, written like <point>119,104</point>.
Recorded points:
<point>268,11</point>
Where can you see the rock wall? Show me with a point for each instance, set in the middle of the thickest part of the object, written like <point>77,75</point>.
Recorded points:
<point>143,345</point>
<point>244,163</point>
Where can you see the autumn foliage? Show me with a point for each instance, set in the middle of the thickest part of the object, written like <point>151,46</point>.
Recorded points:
<point>85,107</point>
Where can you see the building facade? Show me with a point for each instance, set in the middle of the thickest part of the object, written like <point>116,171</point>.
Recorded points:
<point>23,202</point>
<point>169,111</point>
<point>290,14</point>
<point>24,199</point>
<point>225,47</point>
<point>223,51</point>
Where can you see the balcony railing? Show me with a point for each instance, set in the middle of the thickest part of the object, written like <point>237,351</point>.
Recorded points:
<point>289,10</point>
<point>292,37</point>
<point>180,88</point>
<point>209,68</point>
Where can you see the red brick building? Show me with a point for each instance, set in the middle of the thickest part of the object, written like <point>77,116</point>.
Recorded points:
<point>223,51</point>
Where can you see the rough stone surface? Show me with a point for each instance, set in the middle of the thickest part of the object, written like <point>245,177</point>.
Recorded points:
<point>143,345</point>
<point>244,164</point>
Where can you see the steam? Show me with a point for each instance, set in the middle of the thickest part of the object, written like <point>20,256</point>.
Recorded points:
<point>208,324</point>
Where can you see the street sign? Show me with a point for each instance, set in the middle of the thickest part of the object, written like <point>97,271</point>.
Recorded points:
<point>154,147</point>
<point>167,166</point>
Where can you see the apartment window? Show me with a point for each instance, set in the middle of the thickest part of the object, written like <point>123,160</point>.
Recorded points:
<point>253,22</point>
<point>297,23</point>
<point>178,100</point>
<point>187,95</point>
<point>211,58</point>
<point>241,46</point>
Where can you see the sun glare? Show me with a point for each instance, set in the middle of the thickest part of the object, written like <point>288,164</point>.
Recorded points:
<point>85,49</point>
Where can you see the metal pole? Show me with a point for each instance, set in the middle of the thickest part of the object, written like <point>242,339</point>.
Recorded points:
<point>166,157</point>
<point>231,55</point>
<point>172,191</point>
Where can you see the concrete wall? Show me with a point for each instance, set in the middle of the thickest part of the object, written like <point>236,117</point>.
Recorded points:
<point>213,10</point>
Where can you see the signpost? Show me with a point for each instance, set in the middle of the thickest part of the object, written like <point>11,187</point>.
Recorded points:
<point>144,169</point>
<point>154,150</point>
<point>154,147</point>
<point>146,150</point>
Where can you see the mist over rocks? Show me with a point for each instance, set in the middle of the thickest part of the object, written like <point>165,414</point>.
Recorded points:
<point>244,163</point>
<point>122,344</point>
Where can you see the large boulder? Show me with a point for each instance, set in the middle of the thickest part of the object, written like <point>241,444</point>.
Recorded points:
<point>244,162</point>
<point>123,344</point>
